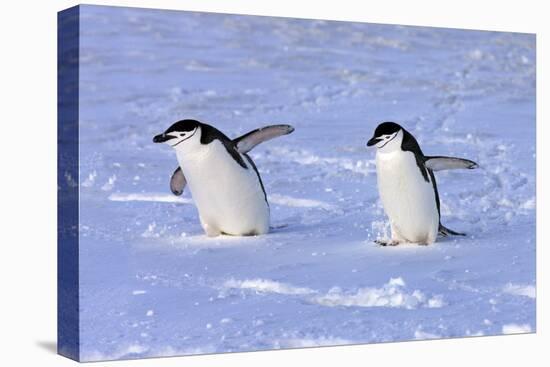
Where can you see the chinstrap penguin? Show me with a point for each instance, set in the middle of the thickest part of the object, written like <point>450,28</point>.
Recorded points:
<point>224,181</point>
<point>407,185</point>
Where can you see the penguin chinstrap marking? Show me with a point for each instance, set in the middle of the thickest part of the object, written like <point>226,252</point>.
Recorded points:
<point>224,181</point>
<point>407,186</point>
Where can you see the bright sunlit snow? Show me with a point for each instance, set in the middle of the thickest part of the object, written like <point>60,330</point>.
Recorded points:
<point>153,284</point>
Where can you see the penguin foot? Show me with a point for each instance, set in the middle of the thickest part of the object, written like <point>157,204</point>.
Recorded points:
<point>211,231</point>
<point>382,242</point>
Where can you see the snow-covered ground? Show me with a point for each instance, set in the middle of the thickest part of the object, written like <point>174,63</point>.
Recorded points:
<point>153,284</point>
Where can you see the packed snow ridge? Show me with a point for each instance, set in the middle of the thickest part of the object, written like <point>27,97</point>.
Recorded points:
<point>516,328</point>
<point>277,199</point>
<point>521,290</point>
<point>162,198</point>
<point>392,294</point>
<point>266,286</point>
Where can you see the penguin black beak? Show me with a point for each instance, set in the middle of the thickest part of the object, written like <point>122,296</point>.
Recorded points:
<point>373,141</point>
<point>161,138</point>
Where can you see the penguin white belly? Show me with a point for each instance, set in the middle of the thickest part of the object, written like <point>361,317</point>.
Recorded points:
<point>408,199</point>
<point>228,197</point>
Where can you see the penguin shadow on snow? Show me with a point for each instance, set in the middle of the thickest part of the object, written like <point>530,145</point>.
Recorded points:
<point>196,240</point>
<point>442,241</point>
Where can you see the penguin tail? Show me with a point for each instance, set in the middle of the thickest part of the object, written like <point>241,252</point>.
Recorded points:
<point>444,231</point>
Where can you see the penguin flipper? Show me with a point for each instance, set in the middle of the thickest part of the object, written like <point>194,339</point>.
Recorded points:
<point>249,140</point>
<point>440,163</point>
<point>444,231</point>
<point>177,182</point>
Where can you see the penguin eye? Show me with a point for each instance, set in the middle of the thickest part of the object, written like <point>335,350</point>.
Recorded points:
<point>182,134</point>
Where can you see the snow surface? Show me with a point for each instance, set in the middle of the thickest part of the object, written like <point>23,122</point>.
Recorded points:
<point>153,284</point>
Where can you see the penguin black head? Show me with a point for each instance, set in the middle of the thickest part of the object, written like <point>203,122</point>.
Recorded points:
<point>178,132</point>
<point>384,134</point>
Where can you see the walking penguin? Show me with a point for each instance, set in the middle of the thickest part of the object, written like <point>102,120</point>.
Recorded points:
<point>224,181</point>
<point>407,185</point>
